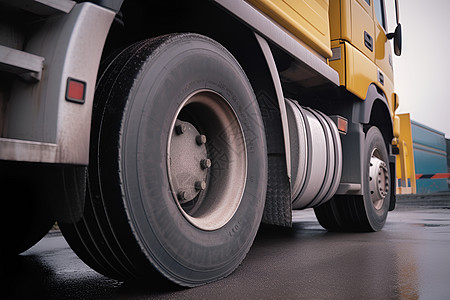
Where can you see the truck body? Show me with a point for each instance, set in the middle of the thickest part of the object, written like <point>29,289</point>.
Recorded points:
<point>160,134</point>
<point>430,159</point>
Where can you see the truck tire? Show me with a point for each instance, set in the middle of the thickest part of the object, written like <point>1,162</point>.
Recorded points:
<point>369,211</point>
<point>178,165</point>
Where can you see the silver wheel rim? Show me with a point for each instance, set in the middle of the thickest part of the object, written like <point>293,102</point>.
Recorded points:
<point>207,160</point>
<point>378,179</point>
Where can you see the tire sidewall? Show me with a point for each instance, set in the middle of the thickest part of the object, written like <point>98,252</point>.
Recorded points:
<point>177,248</point>
<point>376,218</point>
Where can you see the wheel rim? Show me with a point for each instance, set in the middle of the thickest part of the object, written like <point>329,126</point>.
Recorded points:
<point>378,179</point>
<point>207,160</point>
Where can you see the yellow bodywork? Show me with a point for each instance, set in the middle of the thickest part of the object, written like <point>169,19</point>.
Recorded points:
<point>326,24</point>
<point>348,33</point>
<point>307,20</point>
<point>406,175</point>
<point>357,71</point>
<point>350,21</point>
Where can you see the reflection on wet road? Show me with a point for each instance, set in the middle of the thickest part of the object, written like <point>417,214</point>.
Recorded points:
<point>409,258</point>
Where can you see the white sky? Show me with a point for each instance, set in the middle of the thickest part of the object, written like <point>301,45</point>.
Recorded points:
<point>422,72</point>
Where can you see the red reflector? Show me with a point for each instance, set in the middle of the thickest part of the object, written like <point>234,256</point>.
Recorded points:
<point>75,90</point>
<point>342,125</point>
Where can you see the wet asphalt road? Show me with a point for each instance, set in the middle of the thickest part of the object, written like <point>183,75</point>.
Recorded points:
<point>408,259</point>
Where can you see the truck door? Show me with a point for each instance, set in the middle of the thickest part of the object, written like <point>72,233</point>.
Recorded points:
<point>363,32</point>
<point>383,53</point>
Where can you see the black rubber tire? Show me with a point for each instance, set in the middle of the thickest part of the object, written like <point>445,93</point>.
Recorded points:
<point>132,223</point>
<point>358,213</point>
<point>328,215</point>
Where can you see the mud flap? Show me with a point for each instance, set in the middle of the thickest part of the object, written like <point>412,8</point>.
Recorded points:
<point>278,207</point>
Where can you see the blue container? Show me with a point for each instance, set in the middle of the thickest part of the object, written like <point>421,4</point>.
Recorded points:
<point>430,158</point>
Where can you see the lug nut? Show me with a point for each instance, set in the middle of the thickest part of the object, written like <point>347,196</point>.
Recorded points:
<point>205,163</point>
<point>200,139</point>
<point>180,129</point>
<point>200,185</point>
<point>181,196</point>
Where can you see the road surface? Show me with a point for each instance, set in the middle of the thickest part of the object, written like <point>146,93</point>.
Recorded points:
<point>409,258</point>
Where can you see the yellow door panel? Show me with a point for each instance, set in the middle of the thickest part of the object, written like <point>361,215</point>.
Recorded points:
<point>366,6</point>
<point>363,31</point>
<point>360,71</point>
<point>307,20</point>
<point>388,88</point>
<point>357,72</point>
<point>383,52</point>
<point>383,56</point>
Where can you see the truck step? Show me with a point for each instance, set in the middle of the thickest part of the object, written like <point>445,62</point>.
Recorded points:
<point>26,65</point>
<point>31,151</point>
<point>42,7</point>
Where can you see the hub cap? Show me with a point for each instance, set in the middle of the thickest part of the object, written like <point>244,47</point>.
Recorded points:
<point>378,180</point>
<point>207,160</point>
<point>189,162</point>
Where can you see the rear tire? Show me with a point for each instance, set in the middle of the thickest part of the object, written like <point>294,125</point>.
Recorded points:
<point>178,168</point>
<point>369,211</point>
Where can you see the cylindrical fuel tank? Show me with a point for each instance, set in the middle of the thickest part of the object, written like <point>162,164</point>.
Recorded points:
<point>316,156</point>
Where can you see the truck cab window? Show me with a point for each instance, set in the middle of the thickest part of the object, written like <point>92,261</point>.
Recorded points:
<point>379,12</point>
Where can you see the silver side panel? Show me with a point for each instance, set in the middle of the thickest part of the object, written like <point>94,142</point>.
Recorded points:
<point>42,7</point>
<point>274,33</point>
<point>71,45</point>
<point>27,151</point>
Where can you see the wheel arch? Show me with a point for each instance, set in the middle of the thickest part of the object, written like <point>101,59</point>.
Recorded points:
<point>374,111</point>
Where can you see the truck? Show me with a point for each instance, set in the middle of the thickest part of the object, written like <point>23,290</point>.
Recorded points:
<point>430,159</point>
<point>159,135</point>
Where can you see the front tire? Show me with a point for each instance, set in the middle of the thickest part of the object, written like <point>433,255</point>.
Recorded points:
<point>178,167</point>
<point>369,211</point>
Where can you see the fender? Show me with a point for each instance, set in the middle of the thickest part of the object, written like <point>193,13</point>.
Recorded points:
<point>374,110</point>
